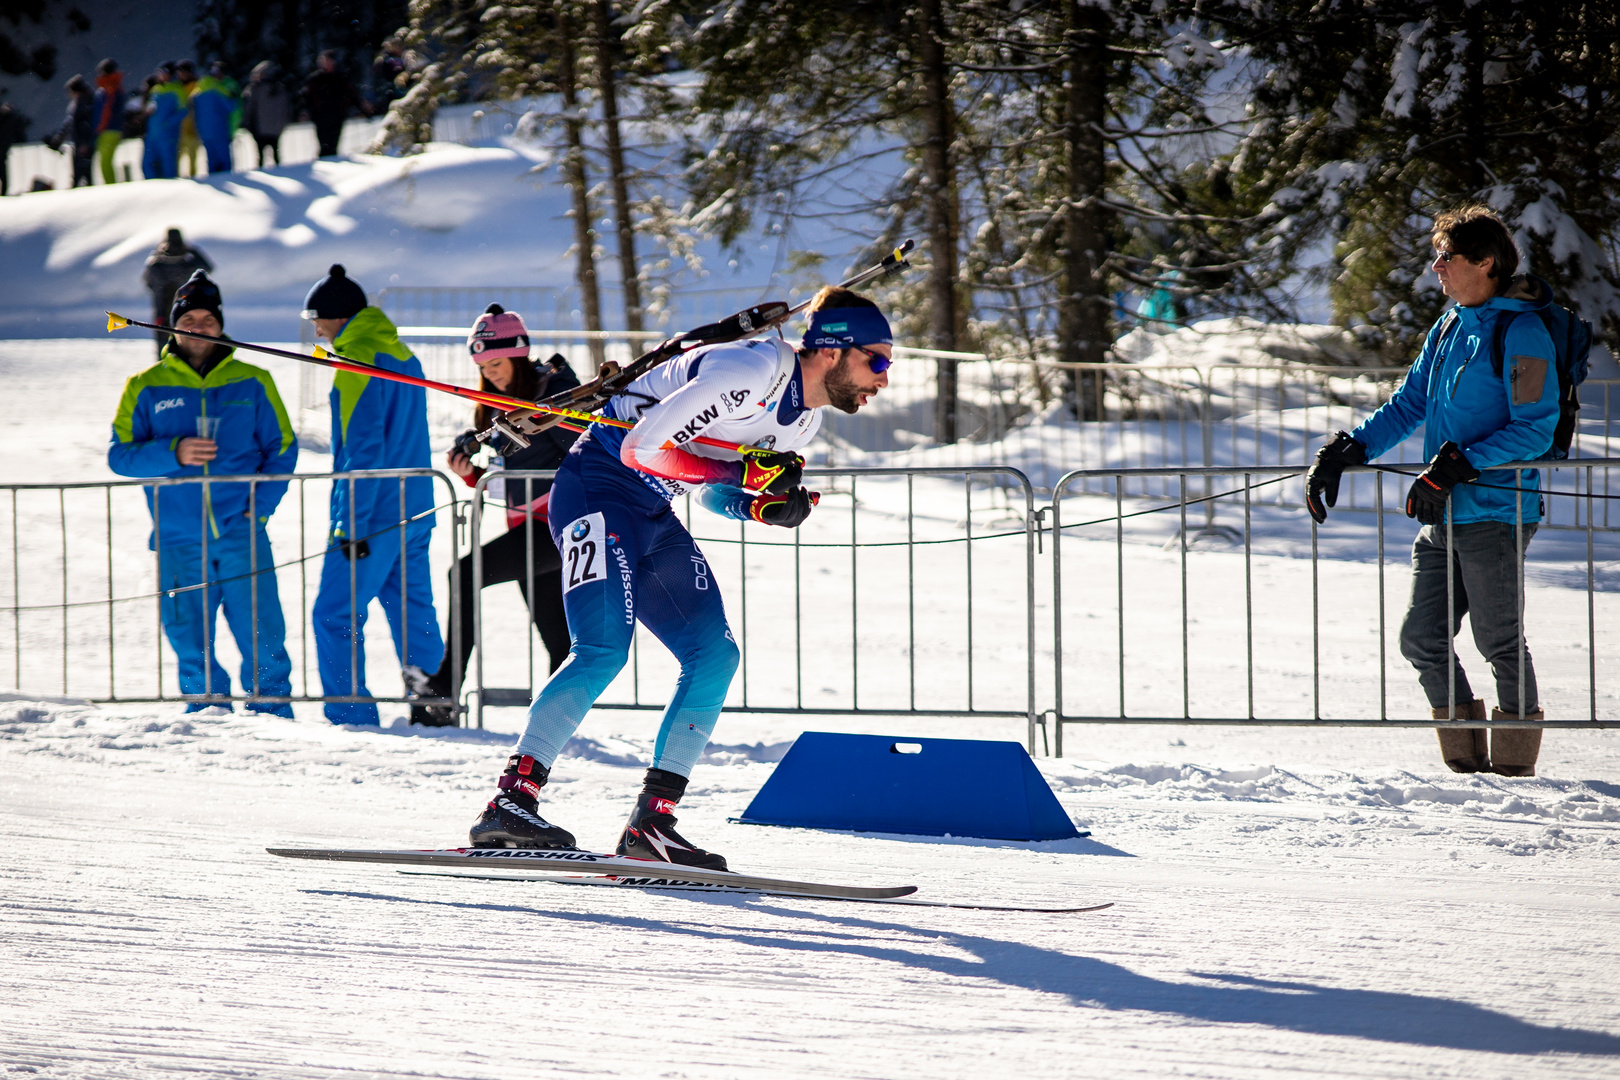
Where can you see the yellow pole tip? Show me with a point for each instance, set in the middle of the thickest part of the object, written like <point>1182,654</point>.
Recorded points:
<point>115,322</point>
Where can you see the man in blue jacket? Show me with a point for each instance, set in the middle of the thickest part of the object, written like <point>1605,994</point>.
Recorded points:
<point>1478,410</point>
<point>203,533</point>
<point>376,424</point>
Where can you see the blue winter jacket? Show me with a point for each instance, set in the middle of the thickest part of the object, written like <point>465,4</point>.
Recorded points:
<point>1455,392</point>
<point>161,406</point>
<point>168,113</point>
<point>212,106</point>
<point>378,424</point>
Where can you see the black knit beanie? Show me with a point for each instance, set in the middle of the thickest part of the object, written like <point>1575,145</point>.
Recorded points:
<point>334,296</point>
<point>198,293</point>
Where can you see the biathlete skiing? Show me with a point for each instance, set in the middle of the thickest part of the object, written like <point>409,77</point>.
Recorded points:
<point>627,557</point>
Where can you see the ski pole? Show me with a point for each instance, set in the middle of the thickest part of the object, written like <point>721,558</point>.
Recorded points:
<point>323,358</point>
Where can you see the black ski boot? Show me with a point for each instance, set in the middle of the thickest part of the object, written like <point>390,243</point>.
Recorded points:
<point>512,818</point>
<point>650,833</point>
<point>419,684</point>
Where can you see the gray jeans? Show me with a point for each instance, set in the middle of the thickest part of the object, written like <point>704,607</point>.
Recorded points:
<point>1485,567</point>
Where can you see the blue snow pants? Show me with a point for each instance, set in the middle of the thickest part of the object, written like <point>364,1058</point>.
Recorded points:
<point>410,617</point>
<point>218,149</point>
<point>186,614</point>
<point>626,558</point>
<point>161,159</point>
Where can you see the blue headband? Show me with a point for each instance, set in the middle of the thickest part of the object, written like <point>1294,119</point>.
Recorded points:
<point>839,328</point>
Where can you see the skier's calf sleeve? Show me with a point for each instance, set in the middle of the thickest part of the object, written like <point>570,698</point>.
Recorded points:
<point>695,709</point>
<point>562,703</point>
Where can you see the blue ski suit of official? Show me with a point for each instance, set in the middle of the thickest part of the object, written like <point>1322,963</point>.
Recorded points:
<point>212,106</point>
<point>213,532</point>
<point>160,159</point>
<point>376,424</point>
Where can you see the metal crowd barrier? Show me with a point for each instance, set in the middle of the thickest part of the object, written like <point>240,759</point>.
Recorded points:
<point>102,567</point>
<point>1140,663</point>
<point>823,613</point>
<point>1169,622</point>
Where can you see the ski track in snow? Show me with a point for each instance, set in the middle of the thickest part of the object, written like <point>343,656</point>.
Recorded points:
<point>1383,920</point>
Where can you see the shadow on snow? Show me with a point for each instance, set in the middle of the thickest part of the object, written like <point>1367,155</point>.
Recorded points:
<point>1310,1008</point>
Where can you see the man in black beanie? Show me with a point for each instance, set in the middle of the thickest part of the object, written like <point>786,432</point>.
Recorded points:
<point>376,424</point>
<point>201,412</point>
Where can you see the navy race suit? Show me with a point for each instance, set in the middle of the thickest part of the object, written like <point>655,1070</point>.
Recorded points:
<point>625,554</point>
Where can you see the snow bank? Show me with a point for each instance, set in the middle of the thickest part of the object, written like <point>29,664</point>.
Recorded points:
<point>1243,340</point>
<point>452,215</point>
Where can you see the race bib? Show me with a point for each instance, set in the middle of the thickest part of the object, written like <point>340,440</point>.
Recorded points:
<point>584,554</point>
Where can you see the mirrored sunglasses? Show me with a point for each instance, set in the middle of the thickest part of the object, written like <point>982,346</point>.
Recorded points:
<point>878,362</point>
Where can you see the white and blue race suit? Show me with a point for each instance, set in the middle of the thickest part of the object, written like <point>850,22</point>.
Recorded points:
<point>626,556</point>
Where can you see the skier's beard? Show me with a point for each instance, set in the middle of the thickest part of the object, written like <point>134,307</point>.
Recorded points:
<point>843,393</point>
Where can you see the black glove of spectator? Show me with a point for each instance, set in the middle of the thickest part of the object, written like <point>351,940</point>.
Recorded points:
<point>1322,478</point>
<point>1427,499</point>
<point>354,549</point>
<point>788,511</point>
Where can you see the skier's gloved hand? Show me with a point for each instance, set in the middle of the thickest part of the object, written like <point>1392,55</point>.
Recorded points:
<point>1322,478</point>
<point>354,549</point>
<point>1426,501</point>
<point>788,511</point>
<point>776,473</point>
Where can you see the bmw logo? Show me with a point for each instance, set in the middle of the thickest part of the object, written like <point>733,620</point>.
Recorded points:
<point>581,529</point>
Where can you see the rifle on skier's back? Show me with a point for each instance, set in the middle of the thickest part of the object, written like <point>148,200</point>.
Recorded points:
<point>578,406</point>
<point>612,379</point>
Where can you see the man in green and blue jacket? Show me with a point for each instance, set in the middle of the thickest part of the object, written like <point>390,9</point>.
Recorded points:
<point>376,424</point>
<point>167,105</point>
<point>213,532</point>
<point>1478,410</point>
<point>213,107</point>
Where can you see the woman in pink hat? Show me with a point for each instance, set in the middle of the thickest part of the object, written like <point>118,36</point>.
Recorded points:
<point>499,344</point>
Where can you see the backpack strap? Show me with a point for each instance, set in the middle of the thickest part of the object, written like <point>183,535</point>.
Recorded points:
<point>1504,321</point>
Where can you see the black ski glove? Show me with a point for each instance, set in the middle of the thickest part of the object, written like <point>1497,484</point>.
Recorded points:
<point>354,549</point>
<point>1427,499</point>
<point>788,511</point>
<point>1322,478</point>
<point>776,473</point>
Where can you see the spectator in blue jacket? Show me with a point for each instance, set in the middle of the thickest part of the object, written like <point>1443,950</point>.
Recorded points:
<point>213,107</point>
<point>376,424</point>
<point>166,106</point>
<point>1477,411</point>
<point>204,533</point>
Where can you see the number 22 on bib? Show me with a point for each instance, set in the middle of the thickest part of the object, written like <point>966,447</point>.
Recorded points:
<point>584,551</point>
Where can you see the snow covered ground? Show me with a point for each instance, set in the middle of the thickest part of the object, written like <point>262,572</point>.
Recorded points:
<point>1316,901</point>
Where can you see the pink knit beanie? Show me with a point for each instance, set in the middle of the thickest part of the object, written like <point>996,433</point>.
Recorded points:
<point>498,332</point>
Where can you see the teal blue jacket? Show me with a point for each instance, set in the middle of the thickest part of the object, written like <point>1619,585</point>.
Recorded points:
<point>378,424</point>
<point>161,406</point>
<point>1455,391</point>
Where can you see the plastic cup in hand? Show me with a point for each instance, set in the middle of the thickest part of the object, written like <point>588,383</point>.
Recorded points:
<point>208,428</point>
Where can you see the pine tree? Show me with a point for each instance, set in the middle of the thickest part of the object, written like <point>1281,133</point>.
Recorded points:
<point>1374,117</point>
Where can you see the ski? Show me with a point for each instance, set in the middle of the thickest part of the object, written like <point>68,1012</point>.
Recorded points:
<point>530,860</point>
<point>676,884</point>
